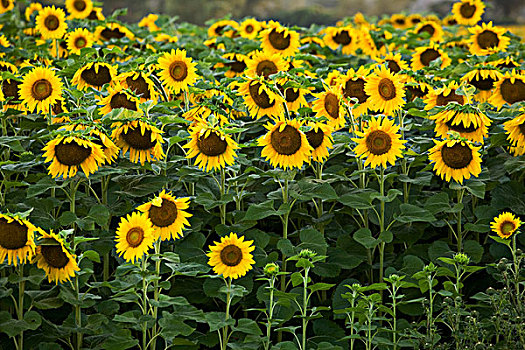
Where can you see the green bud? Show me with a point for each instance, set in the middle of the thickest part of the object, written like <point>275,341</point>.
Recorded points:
<point>307,254</point>
<point>271,269</point>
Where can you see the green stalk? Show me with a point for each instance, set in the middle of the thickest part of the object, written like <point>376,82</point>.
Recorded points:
<point>222,189</point>
<point>144,305</point>
<point>382,224</point>
<point>73,186</point>
<point>21,290</point>
<point>318,169</point>
<point>284,219</point>
<point>156,295</point>
<point>104,186</point>
<point>78,315</point>
<point>516,271</point>
<point>270,315</point>
<point>459,233</point>
<point>305,306</point>
<point>228,302</point>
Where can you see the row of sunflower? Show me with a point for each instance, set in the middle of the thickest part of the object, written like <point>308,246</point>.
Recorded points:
<point>406,94</point>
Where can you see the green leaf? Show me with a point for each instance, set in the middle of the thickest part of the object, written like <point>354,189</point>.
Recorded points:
<point>474,250</point>
<point>260,211</point>
<point>320,286</point>
<point>357,200</point>
<point>172,326</point>
<point>248,326</point>
<point>364,237</point>
<point>99,213</point>
<point>217,320</point>
<point>297,279</point>
<point>91,255</point>
<point>386,236</point>
<point>437,203</point>
<point>314,240</point>
<point>411,213</point>
<point>476,188</point>
<point>67,218</point>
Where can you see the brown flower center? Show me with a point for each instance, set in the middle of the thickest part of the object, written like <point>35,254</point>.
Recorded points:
<point>138,86</point>
<point>507,227</point>
<point>393,66</point>
<point>315,138</point>
<point>522,128</point>
<point>10,89</point>
<point>343,38</point>
<point>483,84</point>
<point>213,145</point>
<point>414,92</point>
<point>356,89</point>
<point>236,66</point>
<point>136,140</point>
<point>41,89</point>
<point>428,56</point>
<point>219,29</point>
<point>286,142</point>
<point>57,108</point>
<point>135,236</point>
<point>378,142</point>
<point>427,28</point>
<point>467,10</point>
<point>456,157</point>
<point>5,3</point>
<point>79,5</point>
<point>451,22</point>
<point>80,42</point>
<point>400,21</point>
<point>54,256</point>
<point>231,255</point>
<point>120,100</point>
<point>487,39</point>
<point>442,100</point>
<point>279,40</point>
<point>178,70</point>
<point>331,105</point>
<point>109,33</point>
<point>13,235</point>
<point>460,127</point>
<point>249,28</point>
<point>513,93</point>
<point>261,99</point>
<point>266,68</point>
<point>71,154</point>
<point>93,78</point>
<point>92,15</point>
<point>386,89</point>
<point>51,22</point>
<point>291,95</point>
<point>164,215</point>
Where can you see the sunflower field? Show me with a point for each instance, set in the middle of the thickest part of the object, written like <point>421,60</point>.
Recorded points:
<point>252,185</point>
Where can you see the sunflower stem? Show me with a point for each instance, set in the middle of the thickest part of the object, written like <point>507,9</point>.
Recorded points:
<point>78,314</point>
<point>516,271</point>
<point>270,314</point>
<point>382,225</point>
<point>284,219</point>
<point>144,304</point>
<point>224,342</point>
<point>20,311</point>
<point>222,189</point>
<point>459,233</point>
<point>156,293</point>
<point>105,185</point>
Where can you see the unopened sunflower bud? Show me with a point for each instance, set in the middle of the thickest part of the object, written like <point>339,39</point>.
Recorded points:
<point>271,269</point>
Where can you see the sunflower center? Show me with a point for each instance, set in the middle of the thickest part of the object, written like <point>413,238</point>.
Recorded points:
<point>213,145</point>
<point>460,127</point>
<point>286,142</point>
<point>57,108</point>
<point>13,235</point>
<point>522,128</point>
<point>355,88</point>
<point>279,40</point>
<point>483,84</point>
<point>41,89</point>
<point>136,140</point>
<point>54,256</point>
<point>415,20</point>
<point>219,30</point>
<point>135,236</point>
<point>291,94</point>
<point>266,68</point>
<point>513,93</point>
<point>331,105</point>
<point>428,56</point>
<point>236,66</point>
<point>456,157</point>
<point>92,15</point>
<point>507,227</point>
<point>138,86</point>
<point>261,99</point>
<point>442,100</point>
<point>120,100</point>
<point>249,28</point>
<point>428,28</point>
<point>93,78</point>
<point>467,10</point>
<point>386,89</point>
<point>452,22</point>
<point>415,92</point>
<point>164,215</point>
<point>487,39</point>
<point>109,33</point>
<point>79,5</point>
<point>393,66</point>
<point>343,38</point>
<point>231,255</point>
<point>378,142</point>
<point>71,153</point>
<point>400,21</point>
<point>10,89</point>
<point>80,42</point>
<point>315,138</point>
<point>5,3</point>
<point>51,22</point>
<point>178,70</point>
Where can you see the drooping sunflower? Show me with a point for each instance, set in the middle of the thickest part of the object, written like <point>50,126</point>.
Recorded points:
<point>509,89</point>
<point>386,91</point>
<point>312,45</point>
<point>264,64</point>
<point>113,30</point>
<point>17,241</point>
<point>31,9</point>
<point>6,5</point>
<point>380,142</point>
<point>487,39</point>
<point>320,139</point>
<point>414,19</point>
<point>55,259</point>
<point>505,63</point>
<point>482,79</point>
<point>95,75</point>
<point>11,89</point>
<point>328,104</point>
<point>140,83</point>
<point>68,153</point>
<point>260,100</point>
<point>79,8</point>
<point>449,21</point>
<point>118,97</point>
<point>294,97</point>
<point>231,257</point>
<point>58,108</point>
<point>278,39</point>
<point>468,12</point>
<point>219,28</point>
<point>135,236</point>
<point>455,159</point>
<point>285,145</point>
<point>8,67</point>
<point>51,22</point>
<point>98,137</point>
<point>415,88</point>
<point>432,28</point>
<point>142,140</point>
<point>79,39</point>
<point>40,88</point>
<point>166,38</point>
<point>515,129</point>
<point>398,20</point>
<point>4,42</point>
<point>149,22</point>
<point>471,125</point>
<point>345,37</point>
<point>394,62</point>
<point>505,224</point>
<point>236,66</point>
<point>213,148</point>
<point>424,55</point>
<point>444,96</point>
<point>177,70</point>
<point>167,215</point>
<point>249,28</point>
<point>96,14</point>
<point>353,87</point>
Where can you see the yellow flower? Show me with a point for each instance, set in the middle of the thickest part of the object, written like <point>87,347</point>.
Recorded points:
<point>32,8</point>
<point>278,39</point>
<point>260,100</point>
<point>249,28</point>
<point>468,12</point>
<point>40,88</point>
<point>219,28</point>
<point>96,14</point>
<point>6,5</point>
<point>398,21</point>
<point>470,125</point>
<point>386,91</point>
<point>455,159</point>
<point>320,139</point>
<point>112,30</point>
<point>353,87</point>
<point>433,29</point>
<point>135,236</point>
<point>394,62</point>
<point>487,39</point>
<point>345,37</point>
<point>515,129</point>
<point>55,259</point>
<point>236,67</point>
<point>140,83</point>
<point>142,140</point>
<point>51,22</point>
<point>17,241</point>
<point>231,257</point>
<point>424,55</point>
<point>443,96</point>
<point>264,64</point>
<point>79,39</point>
<point>483,80</point>
<point>79,8</point>
<point>95,75</point>
<point>509,89</point>
<point>177,71</point>
<point>328,104</point>
<point>149,22</point>
<point>505,224</point>
<point>99,138</point>
<point>118,97</point>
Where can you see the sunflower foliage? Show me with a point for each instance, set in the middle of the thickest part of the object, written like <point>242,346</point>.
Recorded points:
<point>256,185</point>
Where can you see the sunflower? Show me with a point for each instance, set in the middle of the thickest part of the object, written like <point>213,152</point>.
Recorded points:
<point>236,66</point>
<point>312,45</point>
<point>380,142</point>
<point>95,75</point>
<point>505,63</point>
<point>16,239</point>
<point>344,37</point>
<point>118,97</point>
<point>471,125</point>
<point>468,12</point>
<point>509,89</point>
<point>113,30</point>
<point>483,80</point>
<point>433,29</point>
<point>58,108</point>
<point>166,38</point>
<point>40,88</point>
<point>140,83</point>
<point>51,22</point>
<point>264,64</point>
<point>424,55</point>
<point>394,62</point>
<point>285,145</point>
<point>260,99</point>
<point>79,39</point>
<point>517,151</point>
<point>333,78</point>
<point>135,236</point>
<point>32,8</point>
<point>415,88</point>
<point>320,139</point>
<point>99,138</point>
<point>444,96</point>
<point>399,21</point>
<point>96,14</point>
<point>449,21</point>
<point>294,97</point>
<point>455,159</point>
<point>515,129</point>
<point>142,140</point>
<point>6,5</point>
<point>278,39</point>
<point>11,89</point>
<point>8,67</point>
<point>232,257</point>
<point>219,28</point>
<point>79,8</point>
<point>55,259</point>
<point>386,91</point>
<point>149,22</point>
<point>167,215</point>
<point>4,42</point>
<point>328,104</point>
<point>249,28</point>
<point>505,224</point>
<point>414,19</point>
<point>353,87</point>
<point>212,44</point>
<point>487,39</point>
<point>177,70</point>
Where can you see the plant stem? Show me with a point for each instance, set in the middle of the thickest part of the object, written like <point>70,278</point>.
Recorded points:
<point>78,314</point>
<point>156,294</point>
<point>222,189</point>
<point>285,233</point>
<point>144,304</point>
<point>516,271</point>
<point>305,307</point>
<point>270,315</point>
<point>228,302</point>
<point>21,290</point>
<point>104,187</point>
<point>459,233</point>
<point>382,224</point>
